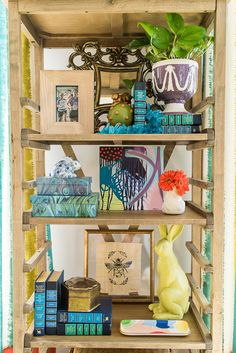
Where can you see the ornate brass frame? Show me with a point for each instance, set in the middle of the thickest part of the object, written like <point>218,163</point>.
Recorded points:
<point>93,57</point>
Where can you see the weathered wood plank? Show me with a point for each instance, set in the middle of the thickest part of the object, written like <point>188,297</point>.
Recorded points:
<point>201,260</point>
<point>115,6</point>
<point>30,264</point>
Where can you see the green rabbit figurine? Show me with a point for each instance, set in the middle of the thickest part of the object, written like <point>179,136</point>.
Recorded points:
<point>173,288</point>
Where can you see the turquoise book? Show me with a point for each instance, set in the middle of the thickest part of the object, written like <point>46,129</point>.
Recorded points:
<point>84,329</point>
<point>53,301</point>
<point>100,315</point>
<point>40,303</point>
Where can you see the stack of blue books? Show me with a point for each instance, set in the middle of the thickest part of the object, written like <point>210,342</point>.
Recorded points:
<point>97,322</point>
<point>51,319</point>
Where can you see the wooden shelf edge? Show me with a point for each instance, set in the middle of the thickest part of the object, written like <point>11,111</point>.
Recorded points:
<point>29,104</point>
<point>202,211</point>
<point>203,105</point>
<point>201,260</point>
<point>208,185</point>
<point>120,6</point>
<point>190,216</point>
<point>202,326</point>
<point>202,300</point>
<point>34,260</point>
<point>115,139</point>
<point>29,305</point>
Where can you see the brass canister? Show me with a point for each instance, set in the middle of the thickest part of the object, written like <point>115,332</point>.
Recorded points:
<point>80,294</point>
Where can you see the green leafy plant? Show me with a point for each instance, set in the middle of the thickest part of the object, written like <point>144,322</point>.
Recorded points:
<point>177,42</point>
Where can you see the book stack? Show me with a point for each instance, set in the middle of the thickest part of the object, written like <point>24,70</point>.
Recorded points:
<point>181,123</point>
<point>64,197</point>
<point>51,318</point>
<point>140,106</point>
<point>95,323</point>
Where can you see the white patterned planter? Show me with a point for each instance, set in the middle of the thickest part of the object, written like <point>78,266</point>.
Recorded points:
<point>175,82</point>
<point>173,203</point>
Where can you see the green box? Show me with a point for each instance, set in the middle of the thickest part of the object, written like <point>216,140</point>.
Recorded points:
<point>86,329</point>
<point>92,329</point>
<point>80,329</point>
<point>70,329</point>
<point>99,329</point>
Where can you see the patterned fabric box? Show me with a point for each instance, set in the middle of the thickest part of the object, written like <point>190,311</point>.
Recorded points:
<point>65,206</point>
<point>64,186</point>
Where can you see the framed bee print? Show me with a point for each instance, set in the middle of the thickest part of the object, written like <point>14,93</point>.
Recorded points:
<point>67,101</point>
<point>123,265</point>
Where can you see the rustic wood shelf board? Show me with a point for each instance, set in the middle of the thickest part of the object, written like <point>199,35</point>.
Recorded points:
<point>117,6</point>
<point>120,312</point>
<point>128,217</point>
<point>97,139</point>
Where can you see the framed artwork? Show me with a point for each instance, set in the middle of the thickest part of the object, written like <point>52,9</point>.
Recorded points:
<point>129,178</point>
<point>67,101</point>
<point>124,266</point>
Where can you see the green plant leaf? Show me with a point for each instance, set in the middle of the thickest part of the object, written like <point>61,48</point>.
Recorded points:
<point>190,37</point>
<point>128,83</point>
<point>178,52</point>
<point>148,28</point>
<point>161,38</point>
<point>175,22</point>
<point>138,43</point>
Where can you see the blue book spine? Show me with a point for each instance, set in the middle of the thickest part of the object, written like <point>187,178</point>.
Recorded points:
<point>39,308</point>
<point>53,297</point>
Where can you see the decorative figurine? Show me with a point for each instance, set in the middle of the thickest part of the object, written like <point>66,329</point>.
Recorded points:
<point>175,183</point>
<point>65,168</point>
<point>173,288</point>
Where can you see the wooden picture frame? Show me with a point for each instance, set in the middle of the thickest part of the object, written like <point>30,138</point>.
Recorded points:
<point>67,101</point>
<point>128,239</point>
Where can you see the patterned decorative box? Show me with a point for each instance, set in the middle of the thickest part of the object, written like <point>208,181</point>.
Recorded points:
<point>64,186</point>
<point>65,206</point>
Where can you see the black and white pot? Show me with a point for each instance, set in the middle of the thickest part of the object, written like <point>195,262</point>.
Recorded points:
<point>175,82</point>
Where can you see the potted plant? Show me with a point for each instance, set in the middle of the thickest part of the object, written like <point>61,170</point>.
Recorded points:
<point>175,184</point>
<point>173,52</point>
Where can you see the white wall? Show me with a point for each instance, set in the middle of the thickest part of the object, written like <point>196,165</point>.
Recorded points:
<point>68,240</point>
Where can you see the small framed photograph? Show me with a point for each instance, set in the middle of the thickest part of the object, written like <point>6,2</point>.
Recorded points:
<point>67,101</point>
<point>122,261</point>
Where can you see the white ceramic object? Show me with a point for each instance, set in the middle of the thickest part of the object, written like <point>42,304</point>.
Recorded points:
<point>173,203</point>
<point>175,82</point>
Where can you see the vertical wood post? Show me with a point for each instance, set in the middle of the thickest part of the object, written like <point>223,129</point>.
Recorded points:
<point>17,175</point>
<point>197,160</point>
<point>218,175</point>
<point>39,155</point>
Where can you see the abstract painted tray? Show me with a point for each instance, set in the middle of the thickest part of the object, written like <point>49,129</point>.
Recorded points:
<point>154,328</point>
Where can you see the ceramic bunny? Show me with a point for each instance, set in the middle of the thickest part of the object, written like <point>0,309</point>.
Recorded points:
<point>173,288</point>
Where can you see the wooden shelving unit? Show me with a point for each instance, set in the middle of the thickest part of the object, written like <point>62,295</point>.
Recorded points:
<point>58,23</point>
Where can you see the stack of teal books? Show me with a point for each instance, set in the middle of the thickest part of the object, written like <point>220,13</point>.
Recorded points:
<point>97,322</point>
<point>64,197</point>
<point>181,123</point>
<point>51,318</point>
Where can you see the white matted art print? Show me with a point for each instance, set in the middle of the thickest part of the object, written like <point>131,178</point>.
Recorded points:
<point>118,267</point>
